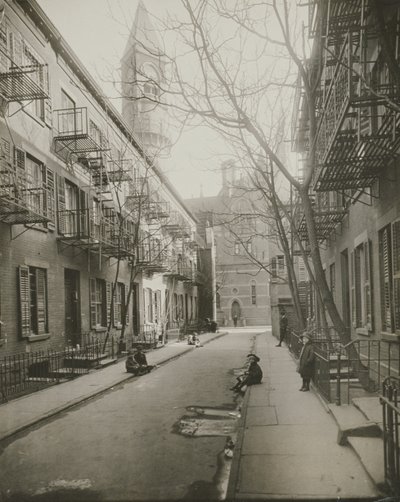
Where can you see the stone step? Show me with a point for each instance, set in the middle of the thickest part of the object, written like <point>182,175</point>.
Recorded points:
<point>370,452</point>
<point>106,362</point>
<point>370,407</point>
<point>352,423</point>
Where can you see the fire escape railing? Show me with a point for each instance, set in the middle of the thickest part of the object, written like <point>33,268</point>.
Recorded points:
<point>22,83</point>
<point>23,199</point>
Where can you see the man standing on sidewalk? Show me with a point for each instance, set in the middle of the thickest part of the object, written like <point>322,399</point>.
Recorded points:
<point>283,325</point>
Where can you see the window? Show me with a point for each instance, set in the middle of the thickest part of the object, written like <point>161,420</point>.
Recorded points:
<point>253,293</point>
<point>98,310</point>
<point>332,279</point>
<point>249,247</point>
<point>68,118</point>
<point>280,260</point>
<point>119,303</point>
<point>35,183</point>
<point>37,106</point>
<point>361,301</point>
<point>389,265</point>
<point>33,300</point>
<point>218,301</point>
<point>237,247</point>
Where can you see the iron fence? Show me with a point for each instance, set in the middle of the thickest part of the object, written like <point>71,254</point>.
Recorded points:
<point>391,431</point>
<point>343,372</point>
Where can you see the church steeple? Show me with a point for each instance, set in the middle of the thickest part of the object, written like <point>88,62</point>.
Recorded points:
<point>143,69</point>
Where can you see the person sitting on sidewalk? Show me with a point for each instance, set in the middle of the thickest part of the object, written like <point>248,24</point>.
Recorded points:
<point>306,362</point>
<point>136,362</point>
<point>252,376</point>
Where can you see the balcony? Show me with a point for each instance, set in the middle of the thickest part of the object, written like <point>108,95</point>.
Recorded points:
<point>23,200</point>
<point>157,210</point>
<point>85,229</point>
<point>73,134</point>
<point>120,171</point>
<point>180,269</point>
<point>342,15</point>
<point>24,83</point>
<point>357,135</point>
<point>329,210</point>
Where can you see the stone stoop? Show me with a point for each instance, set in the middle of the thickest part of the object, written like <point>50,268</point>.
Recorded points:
<point>360,427</point>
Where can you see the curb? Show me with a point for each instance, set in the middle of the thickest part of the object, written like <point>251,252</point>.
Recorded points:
<point>92,394</point>
<point>234,472</point>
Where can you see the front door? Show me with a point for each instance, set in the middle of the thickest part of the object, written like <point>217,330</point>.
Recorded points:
<point>235,310</point>
<point>135,317</point>
<point>72,306</point>
<point>344,258</point>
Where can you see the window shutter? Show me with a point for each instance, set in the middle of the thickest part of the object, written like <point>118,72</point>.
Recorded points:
<point>125,304</point>
<point>48,116</point>
<point>24,301</point>
<point>92,302</point>
<point>19,158</point>
<point>50,185</point>
<point>5,150</point>
<point>368,284</point>
<point>117,299</point>
<point>41,301</point>
<point>108,302</point>
<point>83,213</point>
<point>353,290</point>
<point>385,279</point>
<point>396,272</point>
<point>4,40</point>
<point>16,49</point>
<point>61,212</point>
<point>357,286</point>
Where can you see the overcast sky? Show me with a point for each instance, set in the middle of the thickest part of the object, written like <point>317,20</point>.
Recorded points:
<point>97,31</point>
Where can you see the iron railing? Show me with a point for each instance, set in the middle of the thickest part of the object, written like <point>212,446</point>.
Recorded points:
<point>346,371</point>
<point>391,432</point>
<point>24,373</point>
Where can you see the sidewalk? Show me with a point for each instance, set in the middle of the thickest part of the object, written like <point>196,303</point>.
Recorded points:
<point>28,410</point>
<point>287,443</point>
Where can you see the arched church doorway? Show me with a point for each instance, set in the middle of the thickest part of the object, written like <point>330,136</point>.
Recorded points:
<point>235,312</point>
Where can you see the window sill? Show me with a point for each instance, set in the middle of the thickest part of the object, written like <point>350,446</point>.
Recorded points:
<point>390,337</point>
<point>118,327</point>
<point>38,338</point>
<point>100,329</point>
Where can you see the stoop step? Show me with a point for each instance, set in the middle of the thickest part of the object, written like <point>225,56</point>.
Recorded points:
<point>106,362</point>
<point>371,408</point>
<point>370,452</point>
<point>352,423</point>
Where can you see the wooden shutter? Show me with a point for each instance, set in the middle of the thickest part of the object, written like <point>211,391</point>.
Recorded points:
<point>48,115</point>
<point>83,228</point>
<point>368,290</point>
<point>19,158</point>
<point>61,209</point>
<point>24,301</point>
<point>51,194</point>
<point>108,302</point>
<point>41,301</point>
<point>357,285</point>
<point>385,265</point>
<point>4,41</point>
<point>125,305</point>
<point>396,273</point>
<point>353,290</point>
<point>16,51</point>
<point>93,306</point>
<point>117,319</point>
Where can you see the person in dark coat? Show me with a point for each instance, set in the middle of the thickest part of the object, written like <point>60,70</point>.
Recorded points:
<point>283,325</point>
<point>136,362</point>
<point>306,362</point>
<point>252,376</point>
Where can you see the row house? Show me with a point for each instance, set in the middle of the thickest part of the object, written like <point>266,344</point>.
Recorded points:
<point>93,238</point>
<point>356,182</point>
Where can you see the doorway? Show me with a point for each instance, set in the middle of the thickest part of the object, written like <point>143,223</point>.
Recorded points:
<point>235,310</point>
<point>72,306</point>
<point>344,264</point>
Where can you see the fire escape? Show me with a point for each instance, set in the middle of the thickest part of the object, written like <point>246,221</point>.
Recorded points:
<point>358,131</point>
<point>96,225</point>
<point>24,195</point>
<point>358,123</point>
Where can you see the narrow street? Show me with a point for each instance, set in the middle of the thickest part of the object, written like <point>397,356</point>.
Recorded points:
<point>156,437</point>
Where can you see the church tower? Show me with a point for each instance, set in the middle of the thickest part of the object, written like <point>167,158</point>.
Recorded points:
<point>143,68</point>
